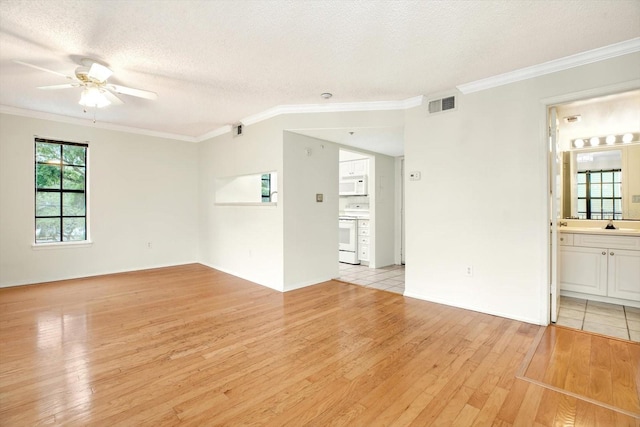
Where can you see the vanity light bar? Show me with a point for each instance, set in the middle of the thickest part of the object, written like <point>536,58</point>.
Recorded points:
<point>594,141</point>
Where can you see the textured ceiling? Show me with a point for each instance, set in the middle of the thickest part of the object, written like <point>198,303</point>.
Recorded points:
<point>213,63</point>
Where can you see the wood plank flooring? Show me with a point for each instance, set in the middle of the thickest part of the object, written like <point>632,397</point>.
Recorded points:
<point>190,345</point>
<point>596,368</point>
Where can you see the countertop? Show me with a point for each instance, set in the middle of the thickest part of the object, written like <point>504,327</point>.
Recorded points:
<point>596,230</point>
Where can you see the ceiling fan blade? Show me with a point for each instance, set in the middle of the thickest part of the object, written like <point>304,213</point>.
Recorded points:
<point>99,72</point>
<point>133,92</point>
<point>43,69</point>
<point>112,98</point>
<point>56,87</point>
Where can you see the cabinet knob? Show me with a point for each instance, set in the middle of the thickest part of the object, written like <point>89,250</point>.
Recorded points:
<point>604,252</point>
<point>611,253</point>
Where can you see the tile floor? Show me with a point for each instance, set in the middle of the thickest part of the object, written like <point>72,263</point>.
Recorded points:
<point>607,319</point>
<point>389,278</point>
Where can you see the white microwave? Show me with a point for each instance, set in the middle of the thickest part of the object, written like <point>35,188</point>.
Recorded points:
<point>354,186</point>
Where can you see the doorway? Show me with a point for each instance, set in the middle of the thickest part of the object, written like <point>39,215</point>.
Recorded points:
<point>598,139</point>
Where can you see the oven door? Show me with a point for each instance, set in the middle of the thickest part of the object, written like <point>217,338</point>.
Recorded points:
<point>348,235</point>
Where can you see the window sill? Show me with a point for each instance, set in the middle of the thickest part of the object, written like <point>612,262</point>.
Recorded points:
<point>247,204</point>
<point>62,245</point>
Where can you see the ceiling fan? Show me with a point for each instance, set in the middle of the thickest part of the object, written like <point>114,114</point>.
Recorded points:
<point>96,90</point>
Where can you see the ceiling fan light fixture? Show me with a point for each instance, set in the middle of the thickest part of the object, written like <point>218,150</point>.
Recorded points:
<point>93,97</point>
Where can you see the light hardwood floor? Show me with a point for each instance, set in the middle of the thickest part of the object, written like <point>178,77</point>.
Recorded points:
<point>191,345</point>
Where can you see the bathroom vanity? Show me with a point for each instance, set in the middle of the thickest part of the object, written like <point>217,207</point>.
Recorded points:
<point>600,264</point>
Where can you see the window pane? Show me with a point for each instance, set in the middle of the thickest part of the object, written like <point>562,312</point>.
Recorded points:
<point>617,190</point>
<point>595,177</point>
<point>73,178</point>
<point>48,153</point>
<point>582,191</point>
<point>47,230</point>
<point>607,177</point>
<point>47,204</point>
<point>607,190</point>
<point>617,203</point>
<point>607,206</point>
<point>47,176</point>
<point>595,190</point>
<point>73,155</point>
<point>582,205</point>
<point>617,176</point>
<point>74,229</point>
<point>582,178</point>
<point>595,207</point>
<point>73,204</point>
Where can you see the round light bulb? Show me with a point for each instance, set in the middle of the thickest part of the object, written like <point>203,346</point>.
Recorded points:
<point>594,141</point>
<point>611,139</point>
<point>627,138</point>
<point>578,143</point>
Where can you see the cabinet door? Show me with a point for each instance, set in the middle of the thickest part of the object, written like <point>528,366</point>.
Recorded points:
<point>346,169</point>
<point>361,167</point>
<point>624,274</point>
<point>583,270</point>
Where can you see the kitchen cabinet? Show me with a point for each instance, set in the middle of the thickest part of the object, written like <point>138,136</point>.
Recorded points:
<point>354,168</point>
<point>607,266</point>
<point>364,236</point>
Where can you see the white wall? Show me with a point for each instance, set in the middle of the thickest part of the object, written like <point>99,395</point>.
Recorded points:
<point>141,189</point>
<point>383,216</point>
<point>246,241</point>
<point>482,197</point>
<point>310,228</point>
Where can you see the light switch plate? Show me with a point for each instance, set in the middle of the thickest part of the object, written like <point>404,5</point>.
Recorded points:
<point>635,198</point>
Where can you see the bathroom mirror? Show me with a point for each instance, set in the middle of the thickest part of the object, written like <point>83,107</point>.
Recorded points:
<point>602,183</point>
<point>253,189</point>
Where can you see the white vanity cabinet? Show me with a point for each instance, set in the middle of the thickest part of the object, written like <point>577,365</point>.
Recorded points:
<point>597,264</point>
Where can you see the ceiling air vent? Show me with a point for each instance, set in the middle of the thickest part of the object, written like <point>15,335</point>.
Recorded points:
<point>444,104</point>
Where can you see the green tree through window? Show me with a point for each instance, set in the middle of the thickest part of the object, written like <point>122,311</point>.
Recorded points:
<point>60,191</point>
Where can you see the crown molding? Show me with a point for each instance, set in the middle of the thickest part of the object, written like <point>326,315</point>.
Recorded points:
<point>583,58</point>
<point>4,109</point>
<point>216,132</point>
<point>265,115</point>
<point>404,104</point>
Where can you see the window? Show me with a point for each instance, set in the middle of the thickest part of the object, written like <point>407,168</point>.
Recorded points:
<point>600,194</point>
<point>266,187</point>
<point>60,191</point>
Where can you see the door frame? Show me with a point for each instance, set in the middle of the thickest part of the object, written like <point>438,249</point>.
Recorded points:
<point>545,105</point>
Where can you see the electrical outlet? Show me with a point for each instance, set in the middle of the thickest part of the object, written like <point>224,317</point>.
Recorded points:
<point>468,270</point>
<point>415,176</point>
<point>149,245</point>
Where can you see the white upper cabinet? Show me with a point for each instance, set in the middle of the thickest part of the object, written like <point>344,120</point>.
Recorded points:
<point>354,168</point>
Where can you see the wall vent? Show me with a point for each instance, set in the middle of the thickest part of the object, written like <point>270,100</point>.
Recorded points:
<point>444,104</point>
